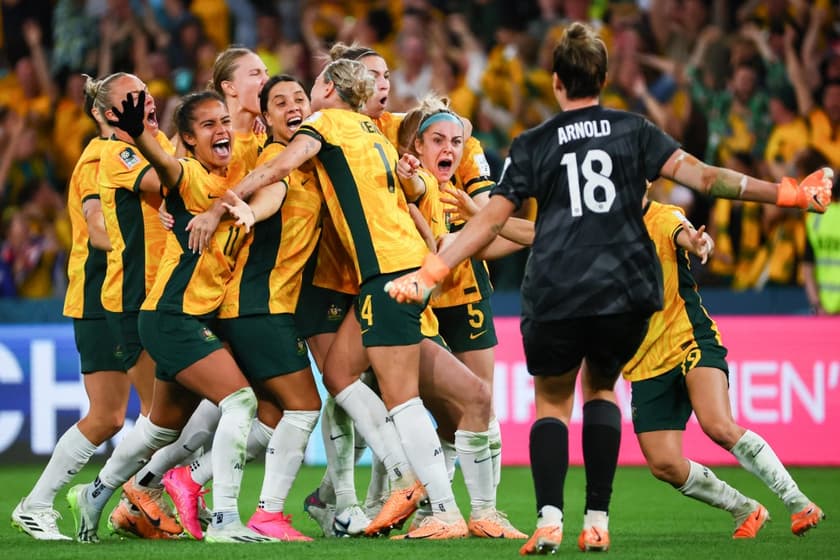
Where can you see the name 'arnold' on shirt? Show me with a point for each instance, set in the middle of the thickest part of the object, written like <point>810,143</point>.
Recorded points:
<point>585,129</point>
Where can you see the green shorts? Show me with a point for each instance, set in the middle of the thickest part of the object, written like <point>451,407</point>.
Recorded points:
<point>124,327</point>
<point>320,310</point>
<point>176,341</point>
<point>385,322</point>
<point>437,339</point>
<point>98,347</point>
<point>662,402</point>
<point>265,346</point>
<point>468,327</point>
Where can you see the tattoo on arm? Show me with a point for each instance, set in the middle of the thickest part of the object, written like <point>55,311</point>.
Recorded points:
<point>725,183</point>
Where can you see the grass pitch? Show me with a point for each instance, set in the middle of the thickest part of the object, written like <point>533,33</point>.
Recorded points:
<point>648,520</point>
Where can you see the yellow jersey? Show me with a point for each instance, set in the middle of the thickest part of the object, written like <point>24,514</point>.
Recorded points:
<point>356,168</point>
<point>269,267</point>
<point>85,264</point>
<point>824,136</point>
<point>672,332</point>
<point>389,124</point>
<point>334,268</point>
<point>194,283</point>
<point>131,219</point>
<point>247,147</point>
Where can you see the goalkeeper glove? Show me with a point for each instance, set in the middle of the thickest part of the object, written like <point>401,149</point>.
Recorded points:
<point>417,286</point>
<point>131,118</point>
<point>812,194</point>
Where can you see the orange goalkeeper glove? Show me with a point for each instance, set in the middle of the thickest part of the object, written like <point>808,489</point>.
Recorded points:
<point>812,194</point>
<point>417,286</point>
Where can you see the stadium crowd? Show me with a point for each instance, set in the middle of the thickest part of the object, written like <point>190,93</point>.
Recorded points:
<point>750,85</point>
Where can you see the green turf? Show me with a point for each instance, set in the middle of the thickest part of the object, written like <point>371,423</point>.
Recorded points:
<point>648,520</point>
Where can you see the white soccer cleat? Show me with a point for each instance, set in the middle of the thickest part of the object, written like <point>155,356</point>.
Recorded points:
<point>350,522</point>
<point>85,516</point>
<point>321,512</point>
<point>40,524</point>
<point>234,533</point>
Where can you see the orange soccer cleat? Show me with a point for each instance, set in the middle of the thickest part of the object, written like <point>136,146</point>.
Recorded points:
<point>594,540</point>
<point>493,524</point>
<point>545,540</point>
<point>805,519</point>
<point>399,507</point>
<point>749,527</point>
<point>152,502</point>
<point>434,528</point>
<point>127,520</point>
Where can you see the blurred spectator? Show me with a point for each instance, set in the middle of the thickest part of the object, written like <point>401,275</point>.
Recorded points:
<point>278,55</point>
<point>214,16</point>
<point>75,37</point>
<point>36,244</point>
<point>72,128</point>
<point>821,263</point>
<point>735,227</point>
<point>411,80</point>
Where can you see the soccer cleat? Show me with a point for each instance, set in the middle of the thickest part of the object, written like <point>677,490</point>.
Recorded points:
<point>749,527</point>
<point>85,516</point>
<point>493,524</point>
<point>40,523</point>
<point>545,540</point>
<point>433,528</point>
<point>152,502</point>
<point>205,516</point>
<point>400,505</point>
<point>350,522</point>
<point>594,539</point>
<point>807,518</point>
<point>234,533</point>
<point>322,513</point>
<point>275,525</point>
<point>127,520</point>
<point>424,510</point>
<point>186,494</point>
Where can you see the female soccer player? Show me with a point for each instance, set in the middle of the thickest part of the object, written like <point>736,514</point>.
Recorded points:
<point>106,384</point>
<point>681,367</point>
<point>174,321</point>
<point>129,195</point>
<point>256,319</point>
<point>592,280</point>
<point>355,165</point>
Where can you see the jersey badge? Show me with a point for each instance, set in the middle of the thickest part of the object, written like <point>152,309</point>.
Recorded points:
<point>129,158</point>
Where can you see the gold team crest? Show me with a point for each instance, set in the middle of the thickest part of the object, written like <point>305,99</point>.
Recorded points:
<point>334,313</point>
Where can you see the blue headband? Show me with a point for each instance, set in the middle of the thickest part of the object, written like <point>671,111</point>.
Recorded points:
<point>436,117</point>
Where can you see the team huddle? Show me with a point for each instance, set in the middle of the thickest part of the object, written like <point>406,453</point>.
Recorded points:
<point>276,224</point>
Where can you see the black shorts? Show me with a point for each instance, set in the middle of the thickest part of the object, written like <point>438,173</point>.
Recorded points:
<point>607,342</point>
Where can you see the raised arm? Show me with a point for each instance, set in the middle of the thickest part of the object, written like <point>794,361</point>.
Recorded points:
<point>812,194</point>
<point>131,119</point>
<point>417,286</point>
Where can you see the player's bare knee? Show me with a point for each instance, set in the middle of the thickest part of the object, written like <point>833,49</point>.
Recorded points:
<point>666,470</point>
<point>723,433</point>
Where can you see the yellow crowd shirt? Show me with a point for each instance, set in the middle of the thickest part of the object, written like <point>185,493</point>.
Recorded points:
<point>194,283</point>
<point>356,168</point>
<point>670,337</point>
<point>269,267</point>
<point>134,229</point>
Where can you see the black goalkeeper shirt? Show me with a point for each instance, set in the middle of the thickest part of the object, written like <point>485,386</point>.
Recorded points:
<point>587,170</point>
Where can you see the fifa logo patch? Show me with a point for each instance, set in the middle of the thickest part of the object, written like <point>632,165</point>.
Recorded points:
<point>334,313</point>
<point>301,347</point>
<point>129,158</point>
<point>119,353</point>
<point>208,335</point>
